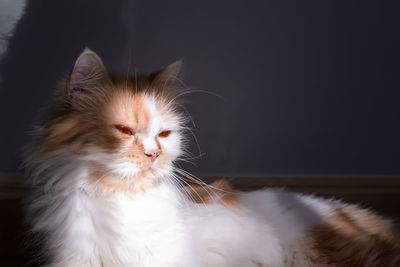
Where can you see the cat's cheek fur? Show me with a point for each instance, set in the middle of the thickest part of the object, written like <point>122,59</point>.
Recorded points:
<point>171,146</point>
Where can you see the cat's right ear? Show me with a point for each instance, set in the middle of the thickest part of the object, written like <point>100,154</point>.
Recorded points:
<point>88,78</point>
<point>167,76</point>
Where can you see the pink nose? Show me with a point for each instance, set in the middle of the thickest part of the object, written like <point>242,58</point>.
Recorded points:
<point>153,154</point>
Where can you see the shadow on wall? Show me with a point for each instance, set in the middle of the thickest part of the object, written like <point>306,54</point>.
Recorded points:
<point>46,40</point>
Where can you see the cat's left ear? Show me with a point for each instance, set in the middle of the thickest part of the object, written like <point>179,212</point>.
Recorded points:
<point>167,76</point>
<point>87,79</point>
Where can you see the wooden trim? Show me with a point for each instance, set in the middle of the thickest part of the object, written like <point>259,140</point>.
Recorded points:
<point>342,185</point>
<point>14,186</point>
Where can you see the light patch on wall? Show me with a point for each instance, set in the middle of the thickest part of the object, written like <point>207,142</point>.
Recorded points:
<point>10,12</point>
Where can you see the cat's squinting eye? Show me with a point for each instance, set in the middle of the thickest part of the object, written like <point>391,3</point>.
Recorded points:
<point>124,129</point>
<point>164,134</point>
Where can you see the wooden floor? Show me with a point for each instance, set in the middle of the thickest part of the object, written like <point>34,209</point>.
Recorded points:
<point>381,194</point>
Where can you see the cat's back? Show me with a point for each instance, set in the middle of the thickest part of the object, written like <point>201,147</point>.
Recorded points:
<point>298,230</point>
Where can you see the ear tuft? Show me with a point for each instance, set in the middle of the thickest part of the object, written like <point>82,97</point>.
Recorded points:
<point>87,76</point>
<point>165,77</point>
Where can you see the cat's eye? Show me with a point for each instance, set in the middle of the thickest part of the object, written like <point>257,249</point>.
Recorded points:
<point>124,129</point>
<point>164,134</point>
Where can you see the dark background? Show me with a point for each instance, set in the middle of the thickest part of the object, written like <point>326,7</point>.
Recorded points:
<point>306,87</point>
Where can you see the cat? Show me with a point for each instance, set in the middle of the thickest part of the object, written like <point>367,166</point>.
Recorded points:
<point>106,191</point>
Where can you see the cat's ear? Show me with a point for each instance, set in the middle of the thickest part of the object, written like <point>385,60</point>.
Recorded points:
<point>166,76</point>
<point>88,77</point>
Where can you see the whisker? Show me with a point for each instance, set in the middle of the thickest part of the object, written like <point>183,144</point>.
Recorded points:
<point>195,91</point>
<point>195,180</point>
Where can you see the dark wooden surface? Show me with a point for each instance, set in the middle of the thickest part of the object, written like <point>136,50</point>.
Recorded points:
<point>380,194</point>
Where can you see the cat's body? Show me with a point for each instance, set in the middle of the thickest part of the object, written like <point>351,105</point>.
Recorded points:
<point>106,192</point>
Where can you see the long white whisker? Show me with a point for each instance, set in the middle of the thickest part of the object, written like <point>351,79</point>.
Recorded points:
<point>195,180</point>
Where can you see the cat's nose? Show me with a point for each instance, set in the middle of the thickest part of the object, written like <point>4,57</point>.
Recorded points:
<point>152,154</point>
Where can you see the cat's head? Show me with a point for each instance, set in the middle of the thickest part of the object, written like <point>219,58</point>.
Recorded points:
<point>122,126</point>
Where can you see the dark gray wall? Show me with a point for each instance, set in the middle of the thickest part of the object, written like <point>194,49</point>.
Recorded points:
<point>306,87</point>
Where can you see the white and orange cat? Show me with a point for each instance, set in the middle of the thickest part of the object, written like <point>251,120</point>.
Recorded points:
<point>106,191</point>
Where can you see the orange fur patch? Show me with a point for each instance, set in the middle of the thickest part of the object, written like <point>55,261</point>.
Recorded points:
<point>62,133</point>
<point>115,185</point>
<point>355,237</point>
<point>127,108</point>
<point>219,191</point>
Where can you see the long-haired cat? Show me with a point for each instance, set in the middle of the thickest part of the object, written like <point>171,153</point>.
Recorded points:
<point>106,192</point>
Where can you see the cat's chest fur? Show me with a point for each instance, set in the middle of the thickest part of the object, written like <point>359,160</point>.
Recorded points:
<point>145,229</point>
